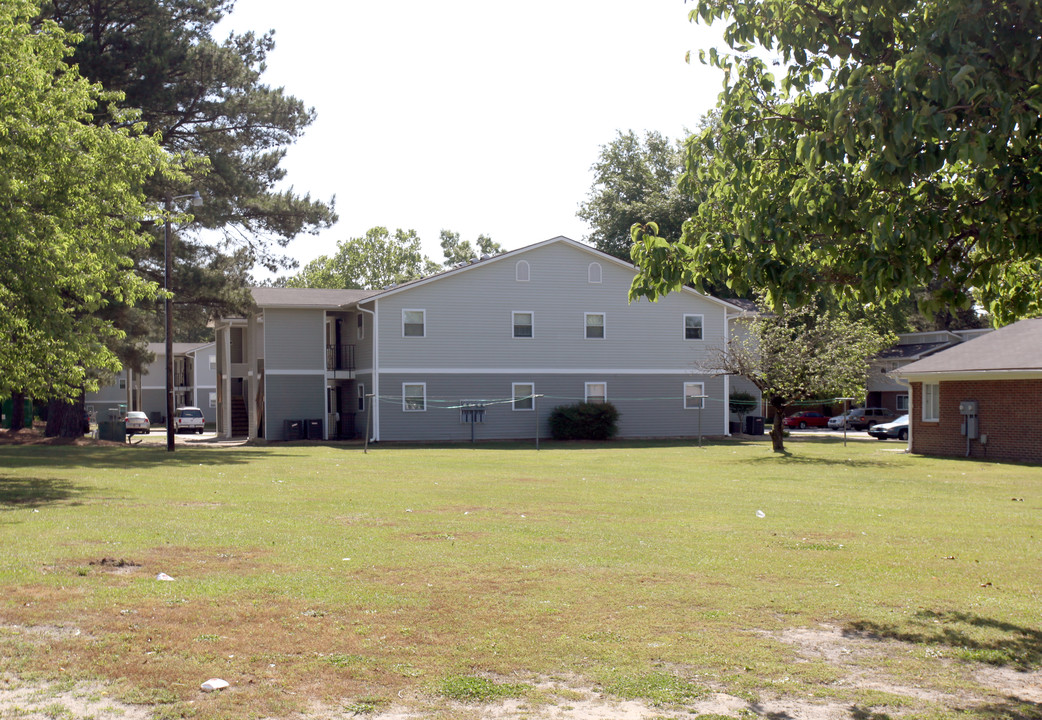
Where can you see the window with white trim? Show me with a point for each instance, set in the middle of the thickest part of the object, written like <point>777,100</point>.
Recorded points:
<point>213,362</point>
<point>524,395</point>
<point>593,273</point>
<point>596,392</point>
<point>522,272</point>
<point>122,383</point>
<point>931,402</point>
<point>414,323</point>
<point>361,397</point>
<point>594,326</point>
<point>693,395</point>
<point>902,403</point>
<point>524,324</point>
<point>692,327</point>
<point>414,397</point>
<point>213,399</point>
<point>360,327</point>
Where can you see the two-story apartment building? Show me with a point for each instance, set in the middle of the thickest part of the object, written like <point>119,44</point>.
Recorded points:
<point>515,335</point>
<point>195,383</point>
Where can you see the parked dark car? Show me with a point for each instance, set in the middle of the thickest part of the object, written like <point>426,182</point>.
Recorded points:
<point>806,419</point>
<point>865,418</point>
<point>895,429</point>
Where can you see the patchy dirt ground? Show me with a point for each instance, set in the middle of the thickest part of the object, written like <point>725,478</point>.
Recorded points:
<point>35,436</point>
<point>857,659</point>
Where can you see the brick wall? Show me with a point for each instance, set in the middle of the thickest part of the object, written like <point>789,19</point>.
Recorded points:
<point>1010,415</point>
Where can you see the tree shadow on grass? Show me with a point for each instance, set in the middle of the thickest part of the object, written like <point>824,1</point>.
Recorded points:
<point>30,492</point>
<point>125,457</point>
<point>972,637</point>
<point>792,458</point>
<point>1015,709</point>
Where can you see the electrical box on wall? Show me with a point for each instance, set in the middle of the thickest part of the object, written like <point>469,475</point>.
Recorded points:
<point>968,409</point>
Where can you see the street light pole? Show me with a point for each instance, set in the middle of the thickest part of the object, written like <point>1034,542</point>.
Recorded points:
<point>197,200</point>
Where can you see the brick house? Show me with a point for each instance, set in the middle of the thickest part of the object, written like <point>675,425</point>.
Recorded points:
<point>995,381</point>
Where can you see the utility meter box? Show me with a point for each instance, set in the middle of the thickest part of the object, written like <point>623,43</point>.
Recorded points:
<point>968,410</point>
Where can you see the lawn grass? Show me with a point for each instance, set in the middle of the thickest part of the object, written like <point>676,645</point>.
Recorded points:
<point>319,572</point>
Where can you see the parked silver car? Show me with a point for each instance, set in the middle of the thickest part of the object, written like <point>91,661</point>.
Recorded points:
<point>895,429</point>
<point>137,423</point>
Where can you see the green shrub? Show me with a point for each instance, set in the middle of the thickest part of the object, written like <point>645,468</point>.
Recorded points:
<point>584,421</point>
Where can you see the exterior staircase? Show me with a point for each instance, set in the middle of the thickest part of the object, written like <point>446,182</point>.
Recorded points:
<point>240,418</point>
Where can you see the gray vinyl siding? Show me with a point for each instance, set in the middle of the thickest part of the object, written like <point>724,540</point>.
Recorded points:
<point>649,405</point>
<point>153,400</point>
<point>292,397</point>
<point>469,319</point>
<point>364,347</point>
<point>154,376</point>
<point>294,340</point>
<point>109,394</point>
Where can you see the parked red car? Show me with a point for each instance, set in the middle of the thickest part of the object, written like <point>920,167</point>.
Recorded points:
<point>806,419</point>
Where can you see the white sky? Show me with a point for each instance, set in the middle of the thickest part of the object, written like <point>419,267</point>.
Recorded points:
<point>473,115</point>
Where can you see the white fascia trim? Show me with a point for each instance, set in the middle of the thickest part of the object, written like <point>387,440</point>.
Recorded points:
<point>544,371</point>
<point>934,377</point>
<point>294,372</point>
<point>599,254</point>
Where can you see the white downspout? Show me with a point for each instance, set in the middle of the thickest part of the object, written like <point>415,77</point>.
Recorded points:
<point>908,384</point>
<point>727,380</point>
<point>375,400</point>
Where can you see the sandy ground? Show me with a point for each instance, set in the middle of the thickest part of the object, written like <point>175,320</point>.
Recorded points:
<point>571,700</point>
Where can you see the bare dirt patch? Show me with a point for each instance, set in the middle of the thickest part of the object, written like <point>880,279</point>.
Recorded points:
<point>859,657</point>
<point>47,701</point>
<point>35,436</point>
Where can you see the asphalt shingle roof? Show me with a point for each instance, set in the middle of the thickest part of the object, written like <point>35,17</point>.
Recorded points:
<point>1014,347</point>
<point>307,297</point>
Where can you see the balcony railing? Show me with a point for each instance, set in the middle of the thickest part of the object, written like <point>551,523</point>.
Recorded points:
<point>340,357</point>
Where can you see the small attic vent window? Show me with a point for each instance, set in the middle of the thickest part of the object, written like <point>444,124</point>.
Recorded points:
<point>522,271</point>
<point>594,273</point>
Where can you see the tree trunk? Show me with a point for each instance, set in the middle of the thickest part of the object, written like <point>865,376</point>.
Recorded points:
<point>777,441</point>
<point>65,419</point>
<point>17,411</point>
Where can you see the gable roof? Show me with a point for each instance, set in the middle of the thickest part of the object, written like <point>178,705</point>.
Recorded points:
<point>911,352</point>
<point>159,348</point>
<point>560,239</point>
<point>1014,349</point>
<point>271,297</point>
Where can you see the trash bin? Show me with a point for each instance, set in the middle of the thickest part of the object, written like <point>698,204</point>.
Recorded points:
<point>754,425</point>
<point>293,430</point>
<point>114,430</point>
<point>313,429</point>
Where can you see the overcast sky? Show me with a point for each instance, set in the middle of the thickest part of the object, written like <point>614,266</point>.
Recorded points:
<point>474,115</point>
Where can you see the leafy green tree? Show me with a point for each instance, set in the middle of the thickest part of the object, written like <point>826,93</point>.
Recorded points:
<point>803,354</point>
<point>895,146</point>
<point>371,262</point>
<point>207,101</point>
<point>635,181</point>
<point>741,404</point>
<point>72,194</point>
<point>457,251</point>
